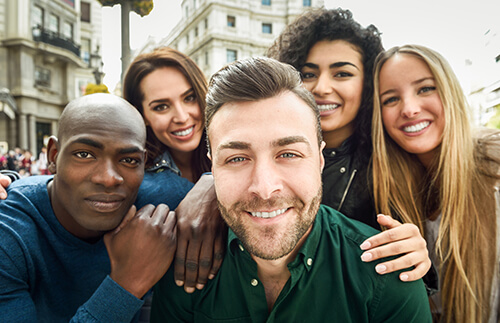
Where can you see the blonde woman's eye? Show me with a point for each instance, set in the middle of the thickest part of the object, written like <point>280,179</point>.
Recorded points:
<point>389,100</point>
<point>427,89</point>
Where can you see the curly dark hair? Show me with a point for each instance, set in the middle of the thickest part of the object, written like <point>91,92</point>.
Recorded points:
<point>315,25</point>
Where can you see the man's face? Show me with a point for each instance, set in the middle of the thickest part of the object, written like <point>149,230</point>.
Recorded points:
<point>267,169</point>
<point>100,166</point>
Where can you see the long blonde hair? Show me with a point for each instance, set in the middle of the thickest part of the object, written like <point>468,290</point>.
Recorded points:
<point>456,185</point>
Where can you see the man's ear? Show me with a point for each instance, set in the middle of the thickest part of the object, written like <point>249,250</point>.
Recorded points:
<point>52,151</point>
<point>322,158</point>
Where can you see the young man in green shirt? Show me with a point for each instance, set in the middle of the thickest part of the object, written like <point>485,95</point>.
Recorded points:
<point>288,259</point>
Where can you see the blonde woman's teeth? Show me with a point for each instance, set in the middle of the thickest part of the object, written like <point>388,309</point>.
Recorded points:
<point>417,127</point>
<point>183,132</point>
<point>268,214</point>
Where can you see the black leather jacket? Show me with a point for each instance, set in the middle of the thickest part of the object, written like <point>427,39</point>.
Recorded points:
<point>347,188</point>
<point>346,183</point>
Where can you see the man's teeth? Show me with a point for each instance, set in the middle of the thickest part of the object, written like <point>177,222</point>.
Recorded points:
<point>417,127</point>
<point>326,107</point>
<point>183,132</point>
<point>268,214</point>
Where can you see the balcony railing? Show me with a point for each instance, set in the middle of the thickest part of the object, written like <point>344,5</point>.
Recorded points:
<point>52,38</point>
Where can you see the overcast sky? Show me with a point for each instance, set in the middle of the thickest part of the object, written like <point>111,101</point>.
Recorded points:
<point>461,30</point>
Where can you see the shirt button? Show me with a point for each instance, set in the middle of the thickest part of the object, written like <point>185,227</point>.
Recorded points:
<point>254,282</point>
<point>333,153</point>
<point>157,164</point>
<point>241,248</point>
<point>342,170</point>
<point>163,161</point>
<point>309,261</point>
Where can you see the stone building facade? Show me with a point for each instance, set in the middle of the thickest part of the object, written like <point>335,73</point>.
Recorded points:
<point>216,32</point>
<point>45,54</point>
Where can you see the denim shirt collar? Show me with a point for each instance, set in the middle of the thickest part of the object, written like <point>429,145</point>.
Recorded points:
<point>164,161</point>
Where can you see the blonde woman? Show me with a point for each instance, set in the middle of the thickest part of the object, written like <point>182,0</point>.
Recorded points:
<point>431,169</point>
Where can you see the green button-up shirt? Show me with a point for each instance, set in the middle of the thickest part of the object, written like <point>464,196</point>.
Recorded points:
<point>328,283</point>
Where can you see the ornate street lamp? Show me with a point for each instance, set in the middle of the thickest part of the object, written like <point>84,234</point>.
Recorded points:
<point>96,63</point>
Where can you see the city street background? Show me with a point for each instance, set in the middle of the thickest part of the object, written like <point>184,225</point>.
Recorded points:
<point>466,32</point>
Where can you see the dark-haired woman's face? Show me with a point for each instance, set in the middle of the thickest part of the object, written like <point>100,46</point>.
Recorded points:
<point>333,73</point>
<point>171,109</point>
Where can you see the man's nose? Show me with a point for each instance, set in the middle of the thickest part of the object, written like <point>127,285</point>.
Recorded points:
<point>266,180</point>
<point>107,174</point>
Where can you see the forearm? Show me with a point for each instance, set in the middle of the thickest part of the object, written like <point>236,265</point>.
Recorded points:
<point>109,303</point>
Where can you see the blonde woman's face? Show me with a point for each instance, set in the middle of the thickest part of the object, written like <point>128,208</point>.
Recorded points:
<point>171,109</point>
<point>412,111</point>
<point>333,73</point>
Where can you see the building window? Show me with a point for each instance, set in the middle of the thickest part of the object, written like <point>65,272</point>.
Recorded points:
<point>54,23</point>
<point>231,55</point>
<point>306,3</point>
<point>85,50</point>
<point>37,16</point>
<point>195,31</point>
<point>186,13</point>
<point>267,28</point>
<point>206,23</point>
<point>42,76</point>
<point>266,2</point>
<point>206,58</point>
<point>231,21</point>
<point>187,39</point>
<point>68,30</point>
<point>194,4</point>
<point>85,11</point>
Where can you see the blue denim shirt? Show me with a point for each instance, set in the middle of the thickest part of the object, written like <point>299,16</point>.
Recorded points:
<point>163,183</point>
<point>165,161</point>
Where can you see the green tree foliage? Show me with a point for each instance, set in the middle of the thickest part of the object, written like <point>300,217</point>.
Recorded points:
<point>495,120</point>
<point>140,7</point>
<point>96,88</point>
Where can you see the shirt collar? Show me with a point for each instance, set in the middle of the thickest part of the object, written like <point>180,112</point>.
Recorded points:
<point>163,161</point>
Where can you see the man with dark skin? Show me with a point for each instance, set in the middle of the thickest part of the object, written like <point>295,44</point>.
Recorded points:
<point>72,246</point>
<point>199,239</point>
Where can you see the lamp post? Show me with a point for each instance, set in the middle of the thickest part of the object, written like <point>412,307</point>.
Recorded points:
<point>96,64</point>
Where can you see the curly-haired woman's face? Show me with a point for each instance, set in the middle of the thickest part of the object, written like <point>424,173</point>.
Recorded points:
<point>333,73</point>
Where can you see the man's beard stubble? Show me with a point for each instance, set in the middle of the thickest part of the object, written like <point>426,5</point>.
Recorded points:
<point>270,245</point>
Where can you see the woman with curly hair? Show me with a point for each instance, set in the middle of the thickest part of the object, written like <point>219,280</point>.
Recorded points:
<point>335,56</point>
<point>431,169</point>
